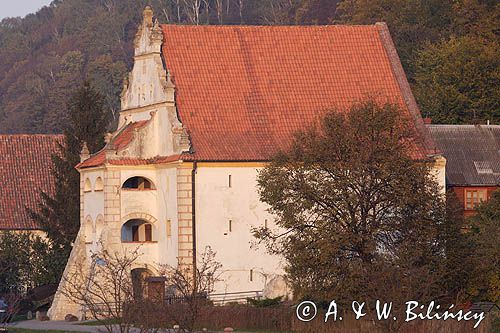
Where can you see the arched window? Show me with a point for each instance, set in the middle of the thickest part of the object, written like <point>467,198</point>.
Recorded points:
<point>99,185</point>
<point>87,186</point>
<point>136,230</point>
<point>88,230</point>
<point>139,183</point>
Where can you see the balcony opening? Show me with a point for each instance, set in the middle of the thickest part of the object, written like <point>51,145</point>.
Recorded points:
<point>138,231</point>
<point>138,183</point>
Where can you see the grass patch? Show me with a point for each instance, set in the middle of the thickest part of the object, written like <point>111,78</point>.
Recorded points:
<point>25,330</point>
<point>243,330</point>
<point>99,322</point>
<point>258,331</point>
<point>19,318</point>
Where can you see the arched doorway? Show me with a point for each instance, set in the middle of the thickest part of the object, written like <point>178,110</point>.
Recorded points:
<point>139,284</point>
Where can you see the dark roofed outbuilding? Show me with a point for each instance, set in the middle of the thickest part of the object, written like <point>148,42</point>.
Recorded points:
<point>472,153</point>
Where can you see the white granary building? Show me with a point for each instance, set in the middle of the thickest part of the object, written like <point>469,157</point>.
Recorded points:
<point>203,109</point>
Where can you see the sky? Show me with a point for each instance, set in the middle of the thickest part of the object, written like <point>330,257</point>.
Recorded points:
<point>10,8</point>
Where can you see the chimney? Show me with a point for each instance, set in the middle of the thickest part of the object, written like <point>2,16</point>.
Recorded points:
<point>427,120</point>
<point>85,153</point>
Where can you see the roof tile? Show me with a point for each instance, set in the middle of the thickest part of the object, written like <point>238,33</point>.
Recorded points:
<point>241,91</point>
<point>25,170</point>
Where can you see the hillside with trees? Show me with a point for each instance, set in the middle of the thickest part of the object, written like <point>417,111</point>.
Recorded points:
<point>449,50</point>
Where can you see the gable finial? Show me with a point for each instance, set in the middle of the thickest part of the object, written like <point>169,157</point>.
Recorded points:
<point>84,153</point>
<point>147,16</point>
<point>170,84</point>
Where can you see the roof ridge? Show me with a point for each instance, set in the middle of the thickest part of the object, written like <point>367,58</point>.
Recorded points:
<point>210,26</point>
<point>31,135</point>
<point>464,125</point>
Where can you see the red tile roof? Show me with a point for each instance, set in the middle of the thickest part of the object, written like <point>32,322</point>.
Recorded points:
<point>126,135</point>
<point>95,160</point>
<point>25,170</point>
<point>121,140</point>
<point>99,159</point>
<point>241,91</point>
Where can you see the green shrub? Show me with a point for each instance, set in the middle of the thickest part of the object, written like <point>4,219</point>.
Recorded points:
<point>266,302</point>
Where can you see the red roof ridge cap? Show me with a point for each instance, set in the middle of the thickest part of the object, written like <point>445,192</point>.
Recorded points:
<point>31,135</point>
<point>273,27</point>
<point>423,134</point>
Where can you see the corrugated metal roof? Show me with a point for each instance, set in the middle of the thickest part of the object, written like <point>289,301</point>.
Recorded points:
<point>472,153</point>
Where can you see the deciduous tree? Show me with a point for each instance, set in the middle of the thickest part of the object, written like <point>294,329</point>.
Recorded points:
<point>486,234</point>
<point>354,211</point>
<point>412,22</point>
<point>104,287</point>
<point>457,81</point>
<point>27,261</point>
<point>316,11</point>
<point>192,286</point>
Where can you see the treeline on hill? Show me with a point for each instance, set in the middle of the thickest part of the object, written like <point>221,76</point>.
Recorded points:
<point>449,49</point>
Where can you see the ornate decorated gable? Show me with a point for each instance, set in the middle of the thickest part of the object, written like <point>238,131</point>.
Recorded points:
<point>147,83</point>
<point>149,130</point>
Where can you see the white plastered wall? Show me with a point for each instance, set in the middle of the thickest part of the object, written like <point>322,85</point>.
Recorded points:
<point>439,170</point>
<point>216,204</point>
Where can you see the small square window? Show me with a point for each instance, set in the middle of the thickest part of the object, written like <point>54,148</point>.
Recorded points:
<point>473,198</point>
<point>169,228</point>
